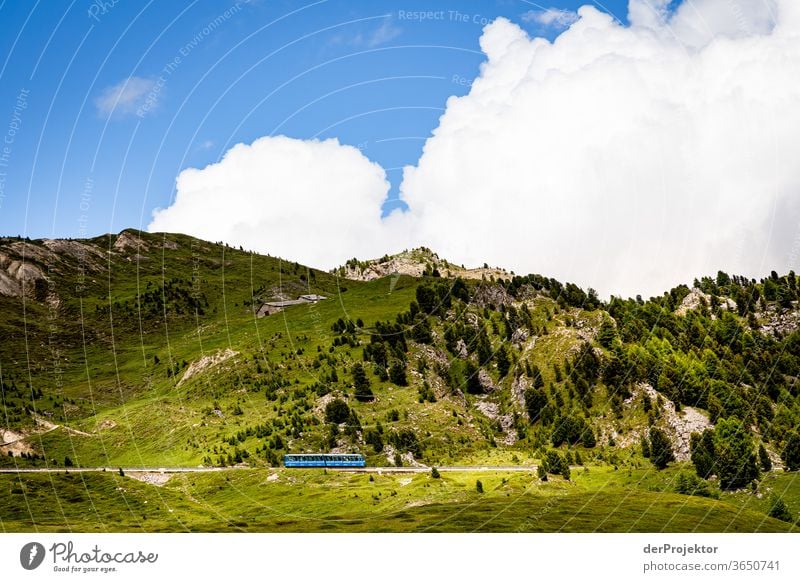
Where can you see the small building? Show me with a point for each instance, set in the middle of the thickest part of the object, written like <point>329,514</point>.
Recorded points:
<point>312,298</point>
<point>272,307</point>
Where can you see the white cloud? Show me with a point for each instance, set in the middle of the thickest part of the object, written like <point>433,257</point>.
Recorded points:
<point>386,32</point>
<point>556,18</point>
<point>124,98</point>
<point>629,159</point>
<point>697,22</point>
<point>618,157</point>
<point>318,202</point>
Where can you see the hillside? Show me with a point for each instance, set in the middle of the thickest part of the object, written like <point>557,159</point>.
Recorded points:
<point>143,349</point>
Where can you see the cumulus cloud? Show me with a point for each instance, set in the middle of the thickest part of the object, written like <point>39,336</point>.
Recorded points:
<point>697,22</point>
<point>124,98</point>
<point>557,18</point>
<point>314,201</point>
<point>629,158</point>
<point>626,158</point>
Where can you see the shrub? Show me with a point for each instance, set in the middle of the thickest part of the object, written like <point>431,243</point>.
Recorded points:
<point>690,484</point>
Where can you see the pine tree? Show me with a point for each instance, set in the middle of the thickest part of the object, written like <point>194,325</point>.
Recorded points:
<point>535,401</point>
<point>702,453</point>
<point>735,454</point>
<point>645,447</point>
<point>336,411</point>
<point>363,392</point>
<point>791,451</point>
<point>778,510</point>
<point>763,459</point>
<point>660,449</point>
<point>607,333</point>
<point>503,362</point>
<point>397,373</point>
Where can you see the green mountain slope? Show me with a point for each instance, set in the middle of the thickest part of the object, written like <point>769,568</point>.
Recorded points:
<point>144,349</point>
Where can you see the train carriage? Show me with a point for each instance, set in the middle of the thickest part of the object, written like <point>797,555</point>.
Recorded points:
<point>324,460</point>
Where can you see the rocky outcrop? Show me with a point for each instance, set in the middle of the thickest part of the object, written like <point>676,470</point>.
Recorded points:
<point>678,426</point>
<point>128,241</point>
<point>486,382</point>
<point>414,263</point>
<point>778,322</point>
<point>206,362</point>
<point>492,410</point>
<point>518,387</point>
<point>494,295</point>
<point>519,336</point>
<point>696,298</point>
<point>18,276</point>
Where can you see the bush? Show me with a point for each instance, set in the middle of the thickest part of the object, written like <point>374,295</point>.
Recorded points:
<point>690,484</point>
<point>435,473</point>
<point>478,486</point>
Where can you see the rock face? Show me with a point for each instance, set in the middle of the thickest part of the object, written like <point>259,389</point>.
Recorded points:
<point>24,265</point>
<point>414,263</point>
<point>206,362</point>
<point>492,411</point>
<point>679,426</point>
<point>127,241</point>
<point>518,387</point>
<point>696,298</point>
<point>17,276</point>
<point>519,336</point>
<point>486,295</point>
<point>485,380</point>
<point>779,322</point>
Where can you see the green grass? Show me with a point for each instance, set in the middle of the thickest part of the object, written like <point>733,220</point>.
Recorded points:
<point>311,501</point>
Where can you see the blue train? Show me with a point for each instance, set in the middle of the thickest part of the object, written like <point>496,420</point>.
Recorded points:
<point>323,460</point>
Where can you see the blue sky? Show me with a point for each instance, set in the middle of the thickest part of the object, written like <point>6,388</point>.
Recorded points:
<point>205,75</point>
